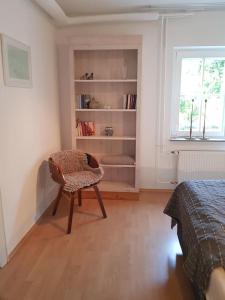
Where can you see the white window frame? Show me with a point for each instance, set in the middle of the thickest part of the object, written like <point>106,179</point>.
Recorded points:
<point>179,54</point>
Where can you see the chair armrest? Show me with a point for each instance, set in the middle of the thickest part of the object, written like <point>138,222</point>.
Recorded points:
<point>56,172</point>
<point>92,162</point>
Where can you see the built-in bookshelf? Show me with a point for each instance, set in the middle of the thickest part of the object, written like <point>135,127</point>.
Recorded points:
<point>105,92</point>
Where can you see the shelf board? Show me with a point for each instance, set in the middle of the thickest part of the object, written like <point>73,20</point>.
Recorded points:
<point>116,166</point>
<point>104,137</point>
<point>105,110</point>
<point>116,186</point>
<point>105,80</point>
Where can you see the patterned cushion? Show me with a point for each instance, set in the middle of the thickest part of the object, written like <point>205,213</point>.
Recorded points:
<point>78,180</point>
<point>117,160</point>
<point>70,160</point>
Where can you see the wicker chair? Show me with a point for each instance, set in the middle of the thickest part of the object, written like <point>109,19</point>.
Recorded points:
<point>74,171</point>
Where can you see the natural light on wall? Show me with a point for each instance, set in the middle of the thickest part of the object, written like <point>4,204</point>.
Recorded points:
<point>199,92</point>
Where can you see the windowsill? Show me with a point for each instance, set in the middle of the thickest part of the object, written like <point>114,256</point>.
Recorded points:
<point>196,139</point>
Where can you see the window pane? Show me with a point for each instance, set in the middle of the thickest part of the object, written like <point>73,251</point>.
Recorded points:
<point>214,91</point>
<point>191,88</point>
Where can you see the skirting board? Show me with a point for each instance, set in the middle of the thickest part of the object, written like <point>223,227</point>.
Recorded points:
<point>3,250</point>
<point>18,246</point>
<point>156,190</point>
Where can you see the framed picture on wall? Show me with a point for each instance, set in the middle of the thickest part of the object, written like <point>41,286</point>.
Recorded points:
<point>16,63</point>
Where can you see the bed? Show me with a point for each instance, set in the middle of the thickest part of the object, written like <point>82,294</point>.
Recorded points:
<point>198,210</point>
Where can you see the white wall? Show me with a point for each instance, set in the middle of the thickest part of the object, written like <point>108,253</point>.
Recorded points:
<point>157,164</point>
<point>29,121</point>
<point>204,29</point>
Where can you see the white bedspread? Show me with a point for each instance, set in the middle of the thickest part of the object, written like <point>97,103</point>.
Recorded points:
<point>216,290</point>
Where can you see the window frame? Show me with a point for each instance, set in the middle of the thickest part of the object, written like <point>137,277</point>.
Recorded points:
<point>190,52</point>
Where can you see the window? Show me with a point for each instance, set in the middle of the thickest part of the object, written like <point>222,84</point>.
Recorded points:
<point>199,92</point>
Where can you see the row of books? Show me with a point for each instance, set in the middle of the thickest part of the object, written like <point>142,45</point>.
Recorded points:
<point>85,128</point>
<point>129,101</point>
<point>83,101</point>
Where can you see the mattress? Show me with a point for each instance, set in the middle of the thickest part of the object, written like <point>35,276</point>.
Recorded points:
<point>216,289</point>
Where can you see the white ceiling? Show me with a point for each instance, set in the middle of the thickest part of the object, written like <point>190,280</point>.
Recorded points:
<point>73,8</point>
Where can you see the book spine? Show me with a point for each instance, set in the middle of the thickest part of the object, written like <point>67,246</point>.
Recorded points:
<point>80,129</point>
<point>129,101</point>
<point>85,128</point>
<point>87,132</point>
<point>124,101</point>
<point>78,102</point>
<point>81,100</point>
<point>93,128</point>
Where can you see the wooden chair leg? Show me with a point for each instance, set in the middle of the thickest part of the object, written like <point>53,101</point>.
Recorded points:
<point>99,197</point>
<point>79,197</point>
<point>57,200</point>
<point>70,219</point>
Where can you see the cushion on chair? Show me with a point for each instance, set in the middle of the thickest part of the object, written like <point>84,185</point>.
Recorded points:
<point>78,180</point>
<point>117,160</point>
<point>70,160</point>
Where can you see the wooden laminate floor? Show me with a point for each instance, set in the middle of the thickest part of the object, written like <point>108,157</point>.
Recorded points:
<point>131,255</point>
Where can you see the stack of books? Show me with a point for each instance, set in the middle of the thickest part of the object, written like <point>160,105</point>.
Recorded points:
<point>129,101</point>
<point>83,101</point>
<point>85,128</point>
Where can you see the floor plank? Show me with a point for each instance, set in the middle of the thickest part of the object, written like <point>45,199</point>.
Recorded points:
<point>133,254</point>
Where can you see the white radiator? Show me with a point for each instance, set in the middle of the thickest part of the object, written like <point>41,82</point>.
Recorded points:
<point>194,165</point>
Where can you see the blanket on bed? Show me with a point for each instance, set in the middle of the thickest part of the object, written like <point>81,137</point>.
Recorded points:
<point>198,208</point>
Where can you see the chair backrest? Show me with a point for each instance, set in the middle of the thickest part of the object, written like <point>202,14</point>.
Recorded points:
<point>70,161</point>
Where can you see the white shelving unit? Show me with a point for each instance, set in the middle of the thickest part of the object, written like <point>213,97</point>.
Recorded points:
<point>115,63</point>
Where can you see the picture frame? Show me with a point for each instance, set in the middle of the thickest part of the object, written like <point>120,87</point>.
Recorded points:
<point>16,58</point>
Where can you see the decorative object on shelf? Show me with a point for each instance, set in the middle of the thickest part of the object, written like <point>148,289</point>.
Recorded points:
<point>94,104</point>
<point>90,77</point>
<point>84,77</point>
<point>117,159</point>
<point>87,76</point>
<point>109,131</point>
<point>85,128</point>
<point>129,101</point>
<point>16,63</point>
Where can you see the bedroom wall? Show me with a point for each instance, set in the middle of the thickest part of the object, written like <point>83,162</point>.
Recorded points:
<point>158,166</point>
<point>29,122</point>
<point>203,29</point>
